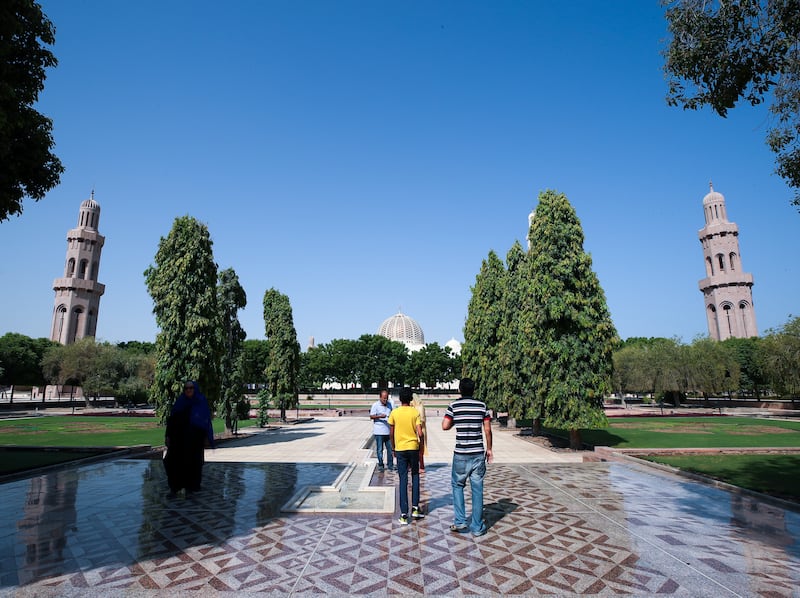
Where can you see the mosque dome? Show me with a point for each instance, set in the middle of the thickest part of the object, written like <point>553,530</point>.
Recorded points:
<point>89,214</point>
<point>404,329</point>
<point>455,346</point>
<point>713,197</point>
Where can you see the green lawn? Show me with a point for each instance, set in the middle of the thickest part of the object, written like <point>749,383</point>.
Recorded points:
<point>692,432</point>
<point>89,431</point>
<point>771,474</point>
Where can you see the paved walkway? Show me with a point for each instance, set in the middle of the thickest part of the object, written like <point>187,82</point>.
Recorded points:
<point>556,527</point>
<point>342,440</point>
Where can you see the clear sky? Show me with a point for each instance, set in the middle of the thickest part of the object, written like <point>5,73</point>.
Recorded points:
<point>363,157</point>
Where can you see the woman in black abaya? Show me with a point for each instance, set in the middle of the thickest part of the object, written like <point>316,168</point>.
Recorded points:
<point>188,431</point>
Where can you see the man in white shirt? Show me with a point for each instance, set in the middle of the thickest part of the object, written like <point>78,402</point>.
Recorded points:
<point>379,414</point>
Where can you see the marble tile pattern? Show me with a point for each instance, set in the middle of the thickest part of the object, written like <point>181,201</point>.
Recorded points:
<point>596,529</point>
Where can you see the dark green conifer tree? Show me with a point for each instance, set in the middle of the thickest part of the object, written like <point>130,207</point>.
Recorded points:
<point>515,372</point>
<point>231,298</point>
<point>183,285</point>
<point>284,350</point>
<point>568,330</point>
<point>479,354</point>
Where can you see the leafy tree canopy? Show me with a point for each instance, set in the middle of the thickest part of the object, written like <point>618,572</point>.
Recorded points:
<point>568,321</point>
<point>432,364</point>
<point>183,285</point>
<point>480,351</point>
<point>379,360</point>
<point>29,168</point>
<point>231,298</point>
<point>724,51</point>
<point>284,350</point>
<point>20,359</point>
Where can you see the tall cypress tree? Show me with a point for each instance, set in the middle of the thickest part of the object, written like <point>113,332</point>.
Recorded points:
<point>515,372</point>
<point>568,323</point>
<point>284,350</point>
<point>231,298</point>
<point>479,354</point>
<point>183,285</point>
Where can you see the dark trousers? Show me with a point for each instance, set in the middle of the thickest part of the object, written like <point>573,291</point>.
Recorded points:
<point>408,460</point>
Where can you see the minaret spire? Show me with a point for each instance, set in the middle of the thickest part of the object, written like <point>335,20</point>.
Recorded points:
<point>727,289</point>
<point>78,292</point>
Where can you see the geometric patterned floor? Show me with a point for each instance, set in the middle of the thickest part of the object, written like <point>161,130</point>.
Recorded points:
<point>597,529</point>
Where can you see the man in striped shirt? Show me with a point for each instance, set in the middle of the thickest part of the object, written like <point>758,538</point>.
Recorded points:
<point>472,421</point>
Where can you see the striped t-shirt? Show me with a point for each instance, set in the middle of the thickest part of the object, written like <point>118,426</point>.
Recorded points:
<point>468,415</point>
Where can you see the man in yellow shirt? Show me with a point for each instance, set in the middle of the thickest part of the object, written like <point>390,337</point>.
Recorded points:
<point>405,431</point>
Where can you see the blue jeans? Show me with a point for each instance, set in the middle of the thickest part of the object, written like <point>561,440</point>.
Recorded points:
<point>406,460</point>
<point>381,441</point>
<point>472,468</point>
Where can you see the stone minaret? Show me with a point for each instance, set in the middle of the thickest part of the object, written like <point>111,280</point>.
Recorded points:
<point>727,289</point>
<point>78,292</point>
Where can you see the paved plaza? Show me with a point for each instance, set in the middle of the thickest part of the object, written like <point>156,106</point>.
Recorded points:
<point>557,526</point>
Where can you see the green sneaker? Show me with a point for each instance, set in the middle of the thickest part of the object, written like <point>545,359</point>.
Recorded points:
<point>416,513</point>
<point>403,519</point>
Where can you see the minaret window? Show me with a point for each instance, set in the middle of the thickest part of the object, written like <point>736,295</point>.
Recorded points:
<point>71,267</point>
<point>732,260</point>
<point>721,260</point>
<point>709,267</point>
<point>82,269</point>
<point>77,322</point>
<point>727,309</point>
<point>61,314</point>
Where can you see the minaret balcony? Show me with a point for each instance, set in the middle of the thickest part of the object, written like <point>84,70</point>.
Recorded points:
<point>726,279</point>
<point>79,284</point>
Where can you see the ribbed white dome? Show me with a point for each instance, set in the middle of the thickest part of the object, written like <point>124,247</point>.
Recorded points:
<point>403,329</point>
<point>713,197</point>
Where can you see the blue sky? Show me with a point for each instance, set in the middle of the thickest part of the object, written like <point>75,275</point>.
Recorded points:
<point>365,156</point>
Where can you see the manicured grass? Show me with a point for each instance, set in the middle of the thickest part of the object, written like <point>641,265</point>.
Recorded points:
<point>692,432</point>
<point>89,431</point>
<point>771,474</point>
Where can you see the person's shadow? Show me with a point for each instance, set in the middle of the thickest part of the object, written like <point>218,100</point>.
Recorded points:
<point>495,511</point>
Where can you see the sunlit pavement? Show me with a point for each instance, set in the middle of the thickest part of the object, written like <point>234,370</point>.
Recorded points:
<point>556,527</point>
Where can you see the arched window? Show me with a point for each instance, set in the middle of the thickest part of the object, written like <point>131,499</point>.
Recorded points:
<point>744,314</point>
<point>76,325</point>
<point>721,260</point>
<point>91,323</point>
<point>713,321</point>
<point>82,269</point>
<point>71,267</point>
<point>732,261</point>
<point>727,308</point>
<point>709,267</point>
<point>58,324</point>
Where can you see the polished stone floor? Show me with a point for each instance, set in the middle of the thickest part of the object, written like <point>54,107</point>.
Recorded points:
<point>561,529</point>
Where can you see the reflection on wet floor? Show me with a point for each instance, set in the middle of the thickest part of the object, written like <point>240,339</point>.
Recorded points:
<point>592,528</point>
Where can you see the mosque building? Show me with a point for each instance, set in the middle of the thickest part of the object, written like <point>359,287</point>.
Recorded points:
<point>403,329</point>
<point>77,301</point>
<point>727,289</point>
<point>406,330</point>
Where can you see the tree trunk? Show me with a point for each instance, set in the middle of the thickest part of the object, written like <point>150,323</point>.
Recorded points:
<point>537,425</point>
<point>575,440</point>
